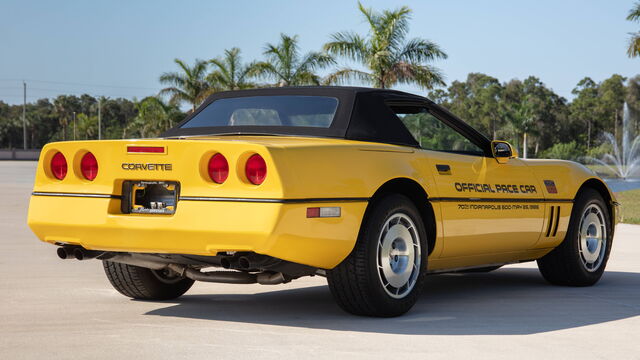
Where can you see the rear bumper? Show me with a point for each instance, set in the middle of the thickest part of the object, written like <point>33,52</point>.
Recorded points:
<point>281,230</point>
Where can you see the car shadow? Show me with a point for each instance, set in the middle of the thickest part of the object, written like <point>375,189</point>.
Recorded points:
<point>504,302</point>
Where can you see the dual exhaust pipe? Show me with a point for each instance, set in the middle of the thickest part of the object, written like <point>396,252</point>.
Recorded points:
<point>227,277</point>
<point>77,252</point>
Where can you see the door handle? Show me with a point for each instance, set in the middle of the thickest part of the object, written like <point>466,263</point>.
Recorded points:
<point>443,169</point>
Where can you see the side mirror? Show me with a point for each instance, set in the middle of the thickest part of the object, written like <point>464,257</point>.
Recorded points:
<point>503,151</point>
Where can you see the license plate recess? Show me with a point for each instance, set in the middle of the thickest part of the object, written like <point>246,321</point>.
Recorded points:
<point>150,197</point>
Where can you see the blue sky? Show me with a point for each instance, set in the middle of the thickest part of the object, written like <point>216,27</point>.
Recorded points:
<point>119,48</point>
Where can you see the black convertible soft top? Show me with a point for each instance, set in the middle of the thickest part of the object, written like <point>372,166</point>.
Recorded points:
<point>362,114</point>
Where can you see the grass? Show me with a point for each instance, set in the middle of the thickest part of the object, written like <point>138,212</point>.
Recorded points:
<point>630,201</point>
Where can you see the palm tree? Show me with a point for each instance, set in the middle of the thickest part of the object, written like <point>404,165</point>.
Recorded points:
<point>189,85</point>
<point>288,67</point>
<point>386,53</point>
<point>65,105</point>
<point>154,117</point>
<point>230,73</point>
<point>87,126</point>
<point>521,117</point>
<point>634,41</point>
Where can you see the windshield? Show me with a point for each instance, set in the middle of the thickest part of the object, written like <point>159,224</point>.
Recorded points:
<point>285,110</point>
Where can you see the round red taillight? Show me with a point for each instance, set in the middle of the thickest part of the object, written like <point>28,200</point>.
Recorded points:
<point>59,166</point>
<point>89,166</point>
<point>218,168</point>
<point>256,169</point>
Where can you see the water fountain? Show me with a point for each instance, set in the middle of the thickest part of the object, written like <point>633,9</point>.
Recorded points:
<point>624,161</point>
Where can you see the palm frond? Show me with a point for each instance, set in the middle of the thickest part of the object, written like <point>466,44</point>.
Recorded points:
<point>266,70</point>
<point>405,73</point>
<point>389,57</point>
<point>394,26</point>
<point>189,85</point>
<point>185,68</point>
<point>345,75</point>
<point>172,78</point>
<point>633,49</point>
<point>371,17</point>
<point>634,13</point>
<point>348,44</point>
<point>313,61</point>
<point>247,72</point>
<point>176,95</point>
<point>420,50</point>
<point>222,67</point>
<point>305,78</point>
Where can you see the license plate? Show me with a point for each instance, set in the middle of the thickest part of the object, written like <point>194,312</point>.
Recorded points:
<point>150,197</point>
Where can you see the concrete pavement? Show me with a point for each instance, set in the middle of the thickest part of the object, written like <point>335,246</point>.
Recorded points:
<point>54,309</point>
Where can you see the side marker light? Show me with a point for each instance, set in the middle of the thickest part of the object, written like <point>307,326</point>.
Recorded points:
<point>323,212</point>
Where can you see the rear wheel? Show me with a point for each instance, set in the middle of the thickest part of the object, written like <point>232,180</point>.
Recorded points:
<point>581,258</point>
<point>384,274</point>
<point>145,284</point>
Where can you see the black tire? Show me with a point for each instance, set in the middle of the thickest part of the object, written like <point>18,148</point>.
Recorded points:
<point>565,265</point>
<point>357,285</point>
<point>485,269</point>
<point>144,284</point>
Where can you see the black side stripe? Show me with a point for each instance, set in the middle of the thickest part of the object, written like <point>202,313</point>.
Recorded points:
<point>277,201</point>
<point>536,200</point>
<point>555,227</point>
<point>79,195</point>
<point>206,198</point>
<point>550,225</point>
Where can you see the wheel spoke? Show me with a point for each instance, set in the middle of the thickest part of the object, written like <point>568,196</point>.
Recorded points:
<point>592,238</point>
<point>398,255</point>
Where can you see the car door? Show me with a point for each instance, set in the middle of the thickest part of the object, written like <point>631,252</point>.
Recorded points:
<point>486,206</point>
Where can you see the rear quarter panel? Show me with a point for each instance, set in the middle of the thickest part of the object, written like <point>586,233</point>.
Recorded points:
<point>568,178</point>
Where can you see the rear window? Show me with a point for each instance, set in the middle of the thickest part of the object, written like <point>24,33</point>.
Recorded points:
<point>287,111</point>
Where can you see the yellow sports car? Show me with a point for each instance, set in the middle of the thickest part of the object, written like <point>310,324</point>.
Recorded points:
<point>374,189</point>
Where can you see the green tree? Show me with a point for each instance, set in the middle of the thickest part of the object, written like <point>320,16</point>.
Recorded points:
<point>584,107</point>
<point>565,151</point>
<point>633,99</point>
<point>477,101</point>
<point>385,52</point>
<point>154,117</point>
<point>230,73</point>
<point>116,114</point>
<point>611,94</point>
<point>548,114</point>
<point>189,85</point>
<point>633,50</point>
<point>42,124</point>
<point>87,126</point>
<point>65,106</point>
<point>9,126</point>
<point>287,67</point>
<point>522,120</point>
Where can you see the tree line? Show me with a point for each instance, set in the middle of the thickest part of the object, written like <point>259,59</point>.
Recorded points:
<point>539,122</point>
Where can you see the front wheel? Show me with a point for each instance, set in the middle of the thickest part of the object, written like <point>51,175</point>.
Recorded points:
<point>581,258</point>
<point>384,274</point>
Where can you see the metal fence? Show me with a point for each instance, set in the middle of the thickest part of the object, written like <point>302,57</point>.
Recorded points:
<point>19,154</point>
